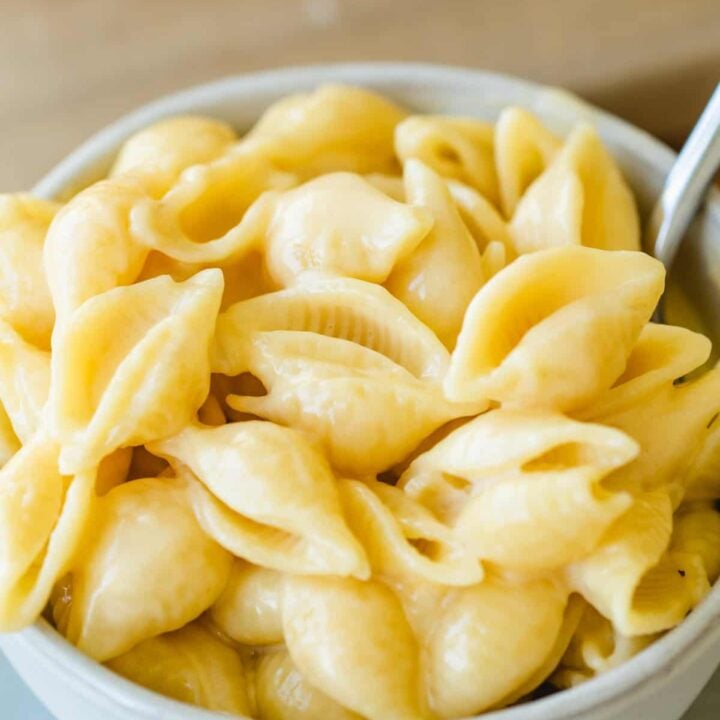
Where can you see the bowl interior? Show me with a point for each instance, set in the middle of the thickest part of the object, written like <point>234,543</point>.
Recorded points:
<point>430,89</point>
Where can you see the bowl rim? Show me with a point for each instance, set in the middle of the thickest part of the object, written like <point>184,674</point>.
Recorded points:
<point>642,674</point>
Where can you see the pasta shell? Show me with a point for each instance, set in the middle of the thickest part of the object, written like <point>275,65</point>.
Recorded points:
<point>540,520</point>
<point>112,389</point>
<point>249,610</point>
<point>661,355</point>
<point>520,342</point>
<point>696,531</point>
<point>24,382</point>
<point>332,129</point>
<point>148,568</point>
<point>277,504</point>
<point>454,147</point>
<point>25,301</point>
<point>670,425</point>
<point>702,479</point>
<point>283,692</point>
<point>523,149</point>
<point>189,665</point>
<point>479,456</point>
<point>89,248</point>
<point>211,215</point>
<point>595,648</point>
<point>447,257</point>
<point>342,224</point>
<point>42,519</point>
<point>339,307</point>
<point>471,658</point>
<point>481,218</point>
<point>172,144</point>
<point>330,622</point>
<point>385,411</point>
<point>580,199</point>
<point>403,540</point>
<point>631,579</point>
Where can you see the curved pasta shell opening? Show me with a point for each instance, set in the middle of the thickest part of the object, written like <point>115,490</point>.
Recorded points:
<point>520,341</point>
<point>410,548</point>
<point>215,212</point>
<point>631,578</point>
<point>459,148</point>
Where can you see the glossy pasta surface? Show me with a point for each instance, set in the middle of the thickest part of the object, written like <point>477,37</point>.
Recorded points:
<point>359,415</point>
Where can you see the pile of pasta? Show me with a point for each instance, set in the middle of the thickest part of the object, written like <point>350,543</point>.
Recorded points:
<point>359,415</point>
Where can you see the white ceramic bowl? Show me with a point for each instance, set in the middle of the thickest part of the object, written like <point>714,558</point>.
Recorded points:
<point>658,684</point>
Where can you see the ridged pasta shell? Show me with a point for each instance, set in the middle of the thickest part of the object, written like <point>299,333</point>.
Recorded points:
<point>522,489</point>
<point>112,388</point>
<point>503,443</point>
<point>595,648</point>
<point>696,531</point>
<point>520,342</point>
<point>447,258</point>
<point>272,497</point>
<point>147,568</point>
<point>385,411</point>
<point>338,307</point>
<point>192,666</point>
<point>632,580</point>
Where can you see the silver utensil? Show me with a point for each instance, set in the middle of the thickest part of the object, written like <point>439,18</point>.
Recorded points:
<point>684,190</point>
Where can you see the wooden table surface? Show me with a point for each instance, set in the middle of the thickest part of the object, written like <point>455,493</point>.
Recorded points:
<point>68,67</point>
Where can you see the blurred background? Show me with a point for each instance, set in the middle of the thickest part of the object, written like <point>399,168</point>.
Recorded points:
<point>68,67</point>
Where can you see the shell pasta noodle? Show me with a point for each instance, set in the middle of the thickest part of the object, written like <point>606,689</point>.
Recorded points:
<point>359,415</point>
